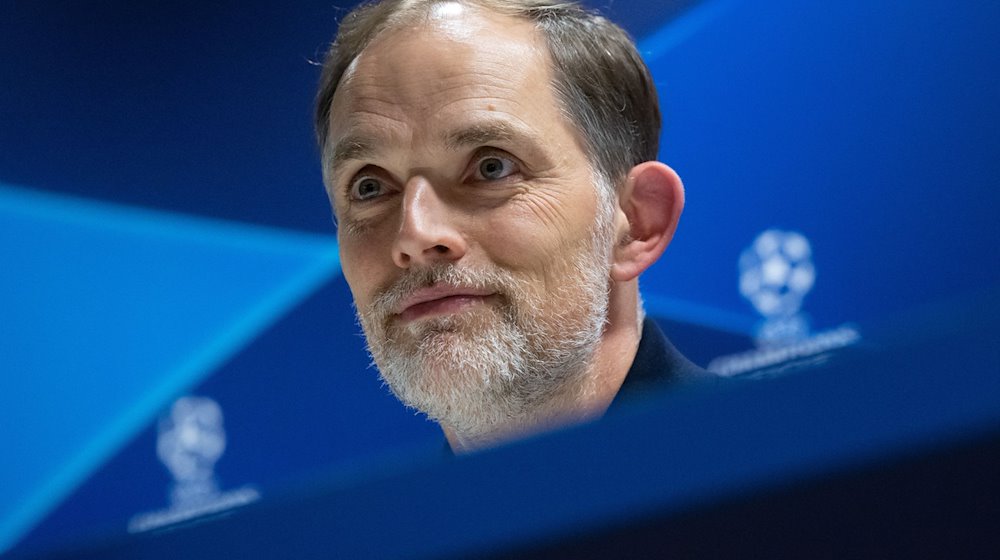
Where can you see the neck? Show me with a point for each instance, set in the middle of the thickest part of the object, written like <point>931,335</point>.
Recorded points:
<point>590,397</point>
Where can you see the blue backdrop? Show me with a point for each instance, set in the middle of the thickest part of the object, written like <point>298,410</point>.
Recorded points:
<point>163,228</point>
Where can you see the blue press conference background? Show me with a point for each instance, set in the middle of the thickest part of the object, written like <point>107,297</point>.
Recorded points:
<point>165,231</point>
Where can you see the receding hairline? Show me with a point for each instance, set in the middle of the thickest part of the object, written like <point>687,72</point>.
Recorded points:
<point>353,146</point>
<point>423,9</point>
<point>603,87</point>
<point>398,21</point>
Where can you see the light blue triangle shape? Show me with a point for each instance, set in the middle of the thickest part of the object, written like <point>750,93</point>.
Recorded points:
<point>108,311</point>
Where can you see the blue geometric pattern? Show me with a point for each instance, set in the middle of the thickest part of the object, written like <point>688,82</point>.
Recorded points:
<point>108,312</point>
<point>871,128</point>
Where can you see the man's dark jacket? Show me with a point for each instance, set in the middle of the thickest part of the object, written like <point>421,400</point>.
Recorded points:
<point>658,366</point>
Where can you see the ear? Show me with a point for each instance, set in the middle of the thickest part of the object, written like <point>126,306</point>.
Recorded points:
<point>651,202</point>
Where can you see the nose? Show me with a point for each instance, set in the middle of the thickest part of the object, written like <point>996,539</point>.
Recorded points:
<point>427,233</point>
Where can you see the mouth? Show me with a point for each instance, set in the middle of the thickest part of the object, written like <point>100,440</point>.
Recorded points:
<point>439,300</point>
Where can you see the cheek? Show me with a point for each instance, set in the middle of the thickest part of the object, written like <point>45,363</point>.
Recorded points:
<point>360,265</point>
<point>518,243</point>
<point>536,234</point>
<point>537,252</point>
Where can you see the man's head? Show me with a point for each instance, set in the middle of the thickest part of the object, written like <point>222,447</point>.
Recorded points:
<point>494,205</point>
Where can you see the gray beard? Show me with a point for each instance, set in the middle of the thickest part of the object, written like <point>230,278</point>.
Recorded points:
<point>503,364</point>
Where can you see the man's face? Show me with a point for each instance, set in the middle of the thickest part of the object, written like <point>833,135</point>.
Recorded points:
<point>471,231</point>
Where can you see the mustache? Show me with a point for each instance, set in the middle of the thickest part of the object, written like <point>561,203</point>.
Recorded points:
<point>492,278</point>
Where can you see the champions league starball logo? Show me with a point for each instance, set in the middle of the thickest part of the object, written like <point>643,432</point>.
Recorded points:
<point>776,273</point>
<point>190,440</point>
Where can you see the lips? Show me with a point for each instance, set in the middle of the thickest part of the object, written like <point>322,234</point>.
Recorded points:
<point>439,299</point>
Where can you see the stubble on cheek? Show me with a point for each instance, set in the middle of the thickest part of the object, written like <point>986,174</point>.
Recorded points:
<point>478,368</point>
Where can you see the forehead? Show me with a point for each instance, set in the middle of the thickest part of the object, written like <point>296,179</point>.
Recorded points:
<point>449,36</point>
<point>450,66</point>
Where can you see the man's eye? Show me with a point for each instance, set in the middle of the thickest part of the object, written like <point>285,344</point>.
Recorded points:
<point>492,168</point>
<point>366,188</point>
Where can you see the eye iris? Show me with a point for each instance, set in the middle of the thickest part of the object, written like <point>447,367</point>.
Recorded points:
<point>491,168</point>
<point>368,188</point>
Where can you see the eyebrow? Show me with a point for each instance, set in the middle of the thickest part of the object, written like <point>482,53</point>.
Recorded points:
<point>359,147</point>
<point>483,133</point>
<point>352,147</point>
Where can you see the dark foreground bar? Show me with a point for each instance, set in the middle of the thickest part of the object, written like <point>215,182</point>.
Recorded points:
<point>890,449</point>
